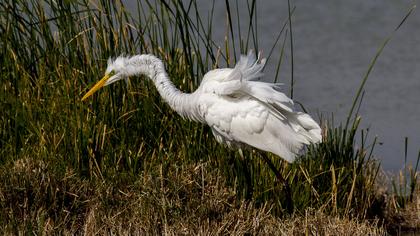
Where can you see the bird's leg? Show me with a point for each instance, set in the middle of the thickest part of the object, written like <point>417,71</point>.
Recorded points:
<point>250,187</point>
<point>279,176</point>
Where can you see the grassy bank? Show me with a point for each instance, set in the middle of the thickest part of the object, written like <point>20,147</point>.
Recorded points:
<point>124,162</point>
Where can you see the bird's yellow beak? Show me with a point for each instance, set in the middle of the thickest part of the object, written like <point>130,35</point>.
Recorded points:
<point>96,87</point>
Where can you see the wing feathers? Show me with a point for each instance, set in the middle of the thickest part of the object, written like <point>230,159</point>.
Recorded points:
<point>241,110</point>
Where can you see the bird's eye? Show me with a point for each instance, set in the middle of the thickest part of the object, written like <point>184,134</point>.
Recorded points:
<point>112,73</point>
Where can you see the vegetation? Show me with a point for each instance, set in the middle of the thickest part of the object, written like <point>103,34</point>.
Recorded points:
<point>125,163</point>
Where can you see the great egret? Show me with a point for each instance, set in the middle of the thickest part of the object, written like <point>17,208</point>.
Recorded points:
<point>239,109</point>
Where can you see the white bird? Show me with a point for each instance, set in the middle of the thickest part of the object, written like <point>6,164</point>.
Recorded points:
<point>239,109</point>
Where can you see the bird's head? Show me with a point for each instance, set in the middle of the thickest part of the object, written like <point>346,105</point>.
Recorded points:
<point>114,72</point>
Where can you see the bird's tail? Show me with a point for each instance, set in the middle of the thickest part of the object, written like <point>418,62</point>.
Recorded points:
<point>304,125</point>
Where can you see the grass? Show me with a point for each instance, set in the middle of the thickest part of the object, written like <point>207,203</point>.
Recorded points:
<point>126,163</point>
<point>188,199</point>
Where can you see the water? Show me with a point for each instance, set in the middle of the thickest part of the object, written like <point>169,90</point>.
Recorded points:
<point>334,42</point>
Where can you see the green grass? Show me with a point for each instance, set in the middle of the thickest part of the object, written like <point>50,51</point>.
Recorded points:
<point>124,158</point>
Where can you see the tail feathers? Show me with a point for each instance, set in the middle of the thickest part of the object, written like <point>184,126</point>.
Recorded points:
<point>306,126</point>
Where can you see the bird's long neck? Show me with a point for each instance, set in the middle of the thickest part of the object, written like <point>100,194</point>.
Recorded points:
<point>151,66</point>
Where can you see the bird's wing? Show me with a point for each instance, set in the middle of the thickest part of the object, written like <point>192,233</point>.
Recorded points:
<point>246,121</point>
<point>240,81</point>
<point>240,109</point>
<point>277,102</point>
<point>282,108</point>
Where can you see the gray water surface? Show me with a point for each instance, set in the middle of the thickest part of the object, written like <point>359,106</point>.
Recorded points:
<point>334,43</point>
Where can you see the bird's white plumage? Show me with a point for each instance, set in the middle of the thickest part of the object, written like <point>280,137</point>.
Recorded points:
<point>240,110</point>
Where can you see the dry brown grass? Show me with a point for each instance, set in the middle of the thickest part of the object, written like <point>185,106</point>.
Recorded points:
<point>404,219</point>
<point>191,199</point>
<point>244,220</point>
